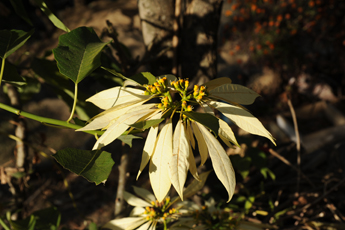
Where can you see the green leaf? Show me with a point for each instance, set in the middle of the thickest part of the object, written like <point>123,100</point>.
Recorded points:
<point>11,40</point>
<point>249,202</point>
<point>92,226</point>
<point>61,86</point>
<point>11,75</point>
<point>26,224</point>
<point>48,218</point>
<point>144,78</point>
<point>206,119</point>
<point>95,166</point>
<point>20,10</point>
<point>78,53</point>
<point>43,219</point>
<point>31,87</point>
<point>264,172</point>
<point>142,125</point>
<point>140,78</point>
<point>43,6</point>
<point>127,139</point>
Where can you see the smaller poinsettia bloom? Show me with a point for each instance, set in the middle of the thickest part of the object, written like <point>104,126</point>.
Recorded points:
<point>147,213</point>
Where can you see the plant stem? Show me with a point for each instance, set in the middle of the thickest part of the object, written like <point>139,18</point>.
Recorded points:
<point>46,120</point>
<point>74,102</point>
<point>165,225</point>
<point>169,96</point>
<point>2,69</point>
<point>2,223</point>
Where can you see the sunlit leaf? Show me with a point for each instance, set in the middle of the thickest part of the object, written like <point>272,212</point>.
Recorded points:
<point>95,166</point>
<point>78,53</point>
<point>206,119</point>
<point>201,144</point>
<point>190,134</point>
<point>217,82</point>
<point>178,163</point>
<point>192,165</point>
<point>145,226</point>
<point>116,129</point>
<point>220,161</point>
<point>234,93</point>
<point>148,148</point>
<point>226,132</point>
<point>11,40</point>
<point>124,223</point>
<point>243,119</point>
<point>144,194</point>
<point>137,211</point>
<point>226,141</point>
<point>134,200</point>
<point>159,170</point>
<point>43,6</point>
<point>117,96</point>
<point>102,120</point>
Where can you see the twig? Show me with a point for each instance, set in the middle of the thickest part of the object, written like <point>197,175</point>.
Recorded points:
<point>119,201</point>
<point>304,208</point>
<point>21,152</point>
<point>298,141</point>
<point>285,161</point>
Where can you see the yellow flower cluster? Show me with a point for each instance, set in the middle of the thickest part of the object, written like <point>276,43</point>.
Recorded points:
<point>159,87</point>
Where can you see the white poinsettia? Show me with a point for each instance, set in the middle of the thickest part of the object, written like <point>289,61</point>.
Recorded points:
<point>169,151</point>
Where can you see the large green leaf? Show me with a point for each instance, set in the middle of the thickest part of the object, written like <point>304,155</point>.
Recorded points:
<point>20,10</point>
<point>95,166</point>
<point>206,119</point>
<point>11,75</point>
<point>11,40</point>
<point>144,78</point>
<point>43,6</point>
<point>78,53</point>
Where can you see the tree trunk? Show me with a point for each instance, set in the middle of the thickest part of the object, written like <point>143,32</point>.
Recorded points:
<point>157,22</point>
<point>198,45</point>
<point>197,49</point>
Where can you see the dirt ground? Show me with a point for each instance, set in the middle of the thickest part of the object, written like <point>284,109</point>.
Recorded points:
<point>309,169</point>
